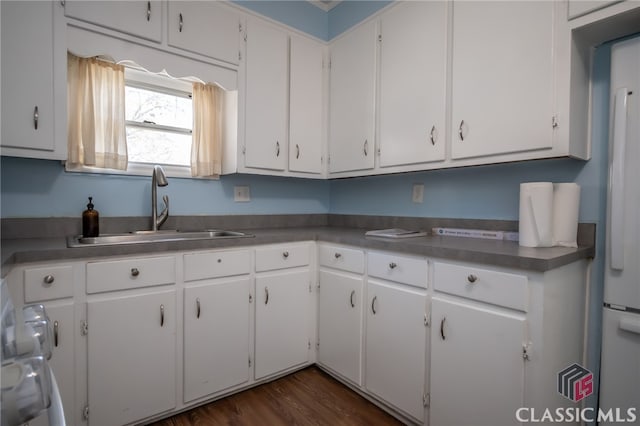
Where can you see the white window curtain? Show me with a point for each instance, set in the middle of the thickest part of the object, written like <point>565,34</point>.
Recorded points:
<point>206,148</point>
<point>96,113</point>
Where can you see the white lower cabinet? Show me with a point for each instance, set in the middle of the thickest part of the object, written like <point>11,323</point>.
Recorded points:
<point>131,356</point>
<point>282,327</point>
<point>477,368</point>
<point>216,337</point>
<point>396,345</point>
<point>340,324</point>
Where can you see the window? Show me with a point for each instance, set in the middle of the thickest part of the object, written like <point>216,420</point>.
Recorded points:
<point>159,124</point>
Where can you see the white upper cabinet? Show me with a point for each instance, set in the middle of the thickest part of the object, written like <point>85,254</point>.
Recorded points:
<point>137,18</point>
<point>266,96</point>
<point>352,100</point>
<point>413,53</point>
<point>28,114</point>
<point>306,95</point>
<point>502,78</point>
<point>208,28</point>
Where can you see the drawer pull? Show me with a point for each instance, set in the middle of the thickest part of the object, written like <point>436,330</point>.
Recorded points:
<point>472,278</point>
<point>180,23</point>
<point>353,294</point>
<point>393,265</point>
<point>161,315</point>
<point>266,295</point>
<point>55,333</point>
<point>219,260</point>
<point>135,272</point>
<point>373,305</point>
<point>432,135</point>
<point>148,11</point>
<point>49,279</point>
<point>198,307</point>
<point>36,117</point>
<point>460,130</point>
<point>285,254</point>
<point>338,255</point>
<point>442,328</point>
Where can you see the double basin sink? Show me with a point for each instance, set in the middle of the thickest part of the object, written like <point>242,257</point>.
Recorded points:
<point>139,237</point>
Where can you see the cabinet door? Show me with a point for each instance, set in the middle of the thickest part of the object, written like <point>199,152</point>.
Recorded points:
<point>413,83</point>
<point>27,75</point>
<point>305,93</point>
<point>340,324</point>
<point>352,100</point>
<point>395,361</point>
<point>207,28</point>
<point>62,360</point>
<point>138,18</point>
<point>502,77</point>
<point>266,97</point>
<point>216,337</point>
<point>131,357</point>
<point>282,332</point>
<point>476,357</point>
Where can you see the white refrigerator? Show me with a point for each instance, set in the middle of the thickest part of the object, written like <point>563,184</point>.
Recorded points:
<point>620,367</point>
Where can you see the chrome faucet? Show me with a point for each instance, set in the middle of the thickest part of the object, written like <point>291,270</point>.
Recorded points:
<point>158,179</point>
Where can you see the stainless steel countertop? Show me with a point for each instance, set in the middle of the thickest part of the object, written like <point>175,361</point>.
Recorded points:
<point>490,252</point>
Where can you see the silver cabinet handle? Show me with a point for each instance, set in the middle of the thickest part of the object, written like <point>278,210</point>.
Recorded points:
<point>472,278</point>
<point>373,304</point>
<point>180,23</point>
<point>56,326</point>
<point>277,148</point>
<point>198,307</point>
<point>285,254</point>
<point>442,328</point>
<point>161,315</point>
<point>432,135</point>
<point>338,255</point>
<point>135,272</point>
<point>148,11</point>
<point>266,295</point>
<point>365,147</point>
<point>36,117</point>
<point>460,130</point>
<point>297,151</point>
<point>48,279</point>
<point>353,294</point>
<point>393,265</point>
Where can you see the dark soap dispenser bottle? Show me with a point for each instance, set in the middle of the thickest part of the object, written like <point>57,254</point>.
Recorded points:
<point>90,222</point>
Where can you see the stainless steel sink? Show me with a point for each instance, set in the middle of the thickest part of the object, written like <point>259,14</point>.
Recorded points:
<point>139,237</point>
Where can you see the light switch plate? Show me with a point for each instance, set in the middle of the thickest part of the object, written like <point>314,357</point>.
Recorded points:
<point>418,193</point>
<point>241,194</point>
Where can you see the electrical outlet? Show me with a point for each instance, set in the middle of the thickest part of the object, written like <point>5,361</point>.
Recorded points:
<point>241,194</point>
<point>418,193</point>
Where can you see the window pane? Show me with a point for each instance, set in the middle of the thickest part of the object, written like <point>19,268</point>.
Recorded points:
<point>160,108</point>
<point>151,146</point>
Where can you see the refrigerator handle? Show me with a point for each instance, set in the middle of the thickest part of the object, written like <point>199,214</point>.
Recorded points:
<point>630,325</point>
<point>616,179</point>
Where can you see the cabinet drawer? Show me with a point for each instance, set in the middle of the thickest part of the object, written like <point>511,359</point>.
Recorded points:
<point>130,273</point>
<point>280,257</point>
<point>403,269</point>
<point>48,283</point>
<point>499,288</point>
<point>199,266</point>
<point>342,258</point>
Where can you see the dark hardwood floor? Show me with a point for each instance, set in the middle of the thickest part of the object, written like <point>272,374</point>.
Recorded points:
<point>307,397</point>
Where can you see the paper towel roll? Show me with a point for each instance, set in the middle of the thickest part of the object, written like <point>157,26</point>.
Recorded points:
<point>566,204</point>
<point>536,213</point>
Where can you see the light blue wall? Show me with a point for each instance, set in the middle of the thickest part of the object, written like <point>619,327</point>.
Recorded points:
<point>348,13</point>
<point>301,15</point>
<point>41,188</point>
